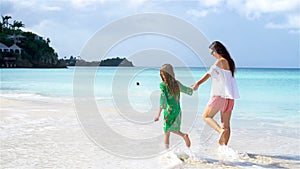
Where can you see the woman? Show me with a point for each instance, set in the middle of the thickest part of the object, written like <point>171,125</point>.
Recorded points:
<point>223,91</point>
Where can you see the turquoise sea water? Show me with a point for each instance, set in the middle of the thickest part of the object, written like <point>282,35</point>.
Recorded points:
<point>263,91</point>
<point>267,94</point>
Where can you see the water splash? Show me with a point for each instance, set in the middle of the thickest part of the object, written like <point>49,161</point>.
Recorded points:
<point>170,161</point>
<point>226,153</point>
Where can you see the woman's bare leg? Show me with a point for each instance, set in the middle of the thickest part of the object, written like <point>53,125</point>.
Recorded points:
<point>225,118</point>
<point>208,118</point>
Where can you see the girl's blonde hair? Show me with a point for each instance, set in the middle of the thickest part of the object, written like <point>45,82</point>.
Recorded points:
<point>167,75</point>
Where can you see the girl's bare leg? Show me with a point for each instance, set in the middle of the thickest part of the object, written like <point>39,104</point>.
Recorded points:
<point>208,118</point>
<point>225,118</point>
<point>167,139</point>
<point>184,136</point>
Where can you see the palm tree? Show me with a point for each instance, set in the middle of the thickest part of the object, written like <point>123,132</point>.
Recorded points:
<point>48,41</point>
<point>17,24</point>
<point>5,20</point>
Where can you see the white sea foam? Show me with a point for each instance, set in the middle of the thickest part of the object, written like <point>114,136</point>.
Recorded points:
<point>19,95</point>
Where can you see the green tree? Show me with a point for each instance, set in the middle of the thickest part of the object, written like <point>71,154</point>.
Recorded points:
<point>48,41</point>
<point>5,20</point>
<point>17,24</point>
<point>2,25</point>
<point>16,28</point>
<point>36,52</point>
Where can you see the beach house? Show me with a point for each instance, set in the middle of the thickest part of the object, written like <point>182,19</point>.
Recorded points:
<point>8,55</point>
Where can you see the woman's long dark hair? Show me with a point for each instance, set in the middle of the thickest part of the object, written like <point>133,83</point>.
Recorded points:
<point>218,47</point>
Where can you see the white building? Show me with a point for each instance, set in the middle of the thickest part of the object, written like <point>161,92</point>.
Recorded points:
<point>9,60</point>
<point>15,49</point>
<point>4,48</point>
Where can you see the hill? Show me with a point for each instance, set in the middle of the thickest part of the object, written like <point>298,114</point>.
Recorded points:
<point>19,49</point>
<point>25,49</point>
<point>122,62</point>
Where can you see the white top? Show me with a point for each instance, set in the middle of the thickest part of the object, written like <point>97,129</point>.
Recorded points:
<point>223,84</point>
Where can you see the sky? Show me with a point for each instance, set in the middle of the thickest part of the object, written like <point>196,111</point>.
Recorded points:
<point>257,33</point>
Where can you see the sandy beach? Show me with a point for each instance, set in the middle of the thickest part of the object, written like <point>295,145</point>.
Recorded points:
<point>48,136</point>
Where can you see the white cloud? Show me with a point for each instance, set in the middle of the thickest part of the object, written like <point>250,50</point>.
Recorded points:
<point>288,9</point>
<point>292,22</point>
<point>42,26</point>
<point>136,3</point>
<point>295,31</point>
<point>62,36</point>
<point>33,5</point>
<point>197,13</point>
<point>256,9</point>
<point>22,4</point>
<point>85,3</point>
<point>211,3</point>
<point>51,8</point>
<point>16,5</point>
<point>270,6</point>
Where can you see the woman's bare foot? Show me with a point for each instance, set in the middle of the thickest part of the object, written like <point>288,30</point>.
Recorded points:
<point>222,137</point>
<point>226,136</point>
<point>187,140</point>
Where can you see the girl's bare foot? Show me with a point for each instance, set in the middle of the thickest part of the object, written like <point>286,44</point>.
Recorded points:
<point>187,140</point>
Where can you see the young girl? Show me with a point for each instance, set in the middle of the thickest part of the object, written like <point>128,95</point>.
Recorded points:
<point>170,102</point>
<point>223,91</point>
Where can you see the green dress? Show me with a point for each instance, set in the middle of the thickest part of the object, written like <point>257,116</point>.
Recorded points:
<point>171,106</point>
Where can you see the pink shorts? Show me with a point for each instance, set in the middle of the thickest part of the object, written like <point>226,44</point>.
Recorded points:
<point>221,104</point>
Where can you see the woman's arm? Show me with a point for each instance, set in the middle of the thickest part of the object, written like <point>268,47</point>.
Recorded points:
<point>199,82</point>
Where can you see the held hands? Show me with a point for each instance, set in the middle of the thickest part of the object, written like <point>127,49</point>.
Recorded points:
<point>194,86</point>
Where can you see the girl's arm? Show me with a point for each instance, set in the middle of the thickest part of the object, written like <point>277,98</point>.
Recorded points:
<point>156,118</point>
<point>184,89</point>
<point>199,82</point>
